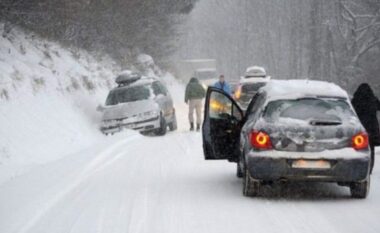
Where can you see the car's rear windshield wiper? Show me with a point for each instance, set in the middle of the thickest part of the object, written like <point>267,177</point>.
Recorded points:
<point>324,122</point>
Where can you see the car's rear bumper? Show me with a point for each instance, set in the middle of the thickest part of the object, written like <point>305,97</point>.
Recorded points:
<point>271,166</point>
<point>141,126</point>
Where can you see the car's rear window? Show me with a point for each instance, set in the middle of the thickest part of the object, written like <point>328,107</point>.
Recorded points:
<point>130,94</point>
<point>251,87</point>
<point>309,109</point>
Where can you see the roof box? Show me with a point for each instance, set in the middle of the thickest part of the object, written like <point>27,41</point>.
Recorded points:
<point>127,78</point>
<point>255,72</point>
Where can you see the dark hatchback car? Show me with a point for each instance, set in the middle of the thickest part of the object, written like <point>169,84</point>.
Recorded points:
<point>294,130</point>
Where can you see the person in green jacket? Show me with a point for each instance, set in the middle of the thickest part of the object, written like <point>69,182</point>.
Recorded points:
<point>193,97</point>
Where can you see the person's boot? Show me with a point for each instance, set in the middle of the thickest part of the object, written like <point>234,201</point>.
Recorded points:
<point>191,126</point>
<point>198,127</point>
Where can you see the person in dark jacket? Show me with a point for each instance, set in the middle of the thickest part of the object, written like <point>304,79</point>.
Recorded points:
<point>366,105</point>
<point>193,96</point>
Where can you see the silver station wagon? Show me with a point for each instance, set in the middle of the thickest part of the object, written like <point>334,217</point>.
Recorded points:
<point>139,103</point>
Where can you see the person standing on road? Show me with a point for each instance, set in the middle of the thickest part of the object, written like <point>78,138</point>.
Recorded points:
<point>366,105</point>
<point>222,84</point>
<point>193,97</point>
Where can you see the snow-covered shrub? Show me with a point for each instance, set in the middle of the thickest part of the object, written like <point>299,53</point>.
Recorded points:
<point>4,94</point>
<point>47,55</point>
<point>22,49</point>
<point>75,84</point>
<point>87,83</point>
<point>38,84</point>
<point>17,76</point>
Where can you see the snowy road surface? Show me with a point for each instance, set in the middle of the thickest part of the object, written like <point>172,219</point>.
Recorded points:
<point>129,183</point>
<point>162,184</point>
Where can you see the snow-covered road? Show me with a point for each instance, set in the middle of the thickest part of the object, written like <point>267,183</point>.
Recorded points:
<point>131,183</point>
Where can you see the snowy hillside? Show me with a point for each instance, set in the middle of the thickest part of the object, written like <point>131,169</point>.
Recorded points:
<point>48,99</point>
<point>48,96</point>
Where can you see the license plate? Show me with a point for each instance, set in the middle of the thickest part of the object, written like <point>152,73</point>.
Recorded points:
<point>312,164</point>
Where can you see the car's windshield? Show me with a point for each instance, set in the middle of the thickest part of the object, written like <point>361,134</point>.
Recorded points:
<point>309,109</point>
<point>130,94</point>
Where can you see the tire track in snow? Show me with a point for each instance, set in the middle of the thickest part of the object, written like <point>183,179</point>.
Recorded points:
<point>94,166</point>
<point>149,187</point>
<point>129,200</point>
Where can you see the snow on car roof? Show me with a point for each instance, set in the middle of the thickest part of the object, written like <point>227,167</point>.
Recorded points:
<point>254,80</point>
<point>255,69</point>
<point>294,89</point>
<point>255,72</point>
<point>127,78</point>
<point>142,81</point>
<point>125,72</point>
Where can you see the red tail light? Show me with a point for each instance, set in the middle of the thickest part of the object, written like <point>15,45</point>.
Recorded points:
<point>360,141</point>
<point>260,140</point>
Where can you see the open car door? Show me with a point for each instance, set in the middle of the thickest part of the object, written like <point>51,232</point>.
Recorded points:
<point>221,126</point>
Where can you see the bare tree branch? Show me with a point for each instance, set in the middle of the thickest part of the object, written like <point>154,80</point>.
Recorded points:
<point>364,49</point>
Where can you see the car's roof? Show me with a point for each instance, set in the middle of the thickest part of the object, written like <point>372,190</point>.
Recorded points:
<point>295,89</point>
<point>244,80</point>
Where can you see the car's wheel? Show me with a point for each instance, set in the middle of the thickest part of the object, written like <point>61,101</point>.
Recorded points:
<point>162,130</point>
<point>360,189</point>
<point>173,124</point>
<point>251,187</point>
<point>239,172</point>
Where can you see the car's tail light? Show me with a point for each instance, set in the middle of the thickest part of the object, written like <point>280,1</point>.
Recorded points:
<point>237,94</point>
<point>260,140</point>
<point>360,141</point>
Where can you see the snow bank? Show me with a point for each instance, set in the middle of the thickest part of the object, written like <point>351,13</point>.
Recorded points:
<point>48,97</point>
